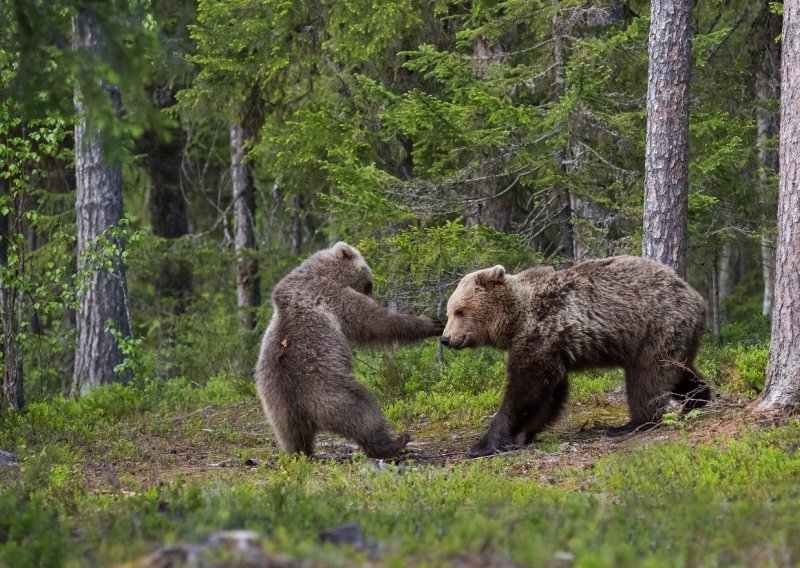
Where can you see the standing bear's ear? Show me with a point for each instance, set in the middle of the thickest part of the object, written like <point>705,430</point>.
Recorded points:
<point>495,275</point>
<point>343,251</point>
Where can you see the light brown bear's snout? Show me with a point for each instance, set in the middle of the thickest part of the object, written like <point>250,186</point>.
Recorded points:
<point>455,342</point>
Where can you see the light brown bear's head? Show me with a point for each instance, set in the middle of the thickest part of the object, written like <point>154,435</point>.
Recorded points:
<point>478,311</point>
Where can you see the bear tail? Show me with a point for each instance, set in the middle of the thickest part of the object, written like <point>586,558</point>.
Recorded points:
<point>692,390</point>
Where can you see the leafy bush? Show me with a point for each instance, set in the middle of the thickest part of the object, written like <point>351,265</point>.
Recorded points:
<point>746,370</point>
<point>211,342</point>
<point>90,417</point>
<point>412,384</point>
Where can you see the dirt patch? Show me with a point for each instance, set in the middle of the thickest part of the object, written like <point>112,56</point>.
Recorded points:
<point>236,440</point>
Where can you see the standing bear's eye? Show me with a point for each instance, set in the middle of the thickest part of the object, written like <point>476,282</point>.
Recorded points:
<point>458,312</point>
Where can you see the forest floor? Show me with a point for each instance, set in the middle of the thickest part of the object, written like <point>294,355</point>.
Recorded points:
<point>171,473</point>
<point>237,437</point>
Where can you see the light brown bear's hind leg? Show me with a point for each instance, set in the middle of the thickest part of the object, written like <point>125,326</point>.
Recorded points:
<point>647,395</point>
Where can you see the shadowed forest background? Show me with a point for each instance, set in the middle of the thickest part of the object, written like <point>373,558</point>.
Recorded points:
<point>231,139</point>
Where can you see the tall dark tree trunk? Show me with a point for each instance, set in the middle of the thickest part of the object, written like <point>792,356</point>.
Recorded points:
<point>168,213</point>
<point>768,162</point>
<point>486,207</point>
<point>766,57</point>
<point>783,369</point>
<point>102,299</point>
<point>666,180</point>
<point>247,284</point>
<point>10,309</point>
<point>566,244</point>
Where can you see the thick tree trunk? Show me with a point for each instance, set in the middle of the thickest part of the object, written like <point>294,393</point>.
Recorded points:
<point>13,397</point>
<point>247,285</point>
<point>767,164</point>
<point>102,299</point>
<point>783,369</point>
<point>666,183</point>
<point>168,213</point>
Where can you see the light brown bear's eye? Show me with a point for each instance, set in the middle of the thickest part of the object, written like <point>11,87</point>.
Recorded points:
<point>458,313</point>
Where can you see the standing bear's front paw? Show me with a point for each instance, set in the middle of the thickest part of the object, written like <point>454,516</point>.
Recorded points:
<point>391,449</point>
<point>434,326</point>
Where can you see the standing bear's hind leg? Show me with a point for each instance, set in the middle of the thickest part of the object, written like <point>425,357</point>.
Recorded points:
<point>355,415</point>
<point>295,438</point>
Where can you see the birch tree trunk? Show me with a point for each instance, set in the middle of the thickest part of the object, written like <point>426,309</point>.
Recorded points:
<point>247,285</point>
<point>102,299</point>
<point>666,179</point>
<point>783,369</point>
<point>715,296</point>
<point>726,273</point>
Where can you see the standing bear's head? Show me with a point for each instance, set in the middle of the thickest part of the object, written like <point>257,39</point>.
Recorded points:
<point>480,310</point>
<point>348,268</point>
<point>327,272</point>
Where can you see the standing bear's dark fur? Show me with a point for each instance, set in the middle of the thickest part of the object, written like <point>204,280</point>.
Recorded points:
<point>622,311</point>
<point>304,372</point>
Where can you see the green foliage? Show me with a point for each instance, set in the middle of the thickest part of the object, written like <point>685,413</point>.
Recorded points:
<point>728,502</point>
<point>463,389</point>
<point>410,129</point>
<point>212,342</point>
<point>746,368</point>
<point>32,533</point>
<point>422,266</point>
<point>89,418</point>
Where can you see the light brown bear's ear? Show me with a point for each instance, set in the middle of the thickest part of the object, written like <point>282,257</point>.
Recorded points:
<point>343,251</point>
<point>495,275</point>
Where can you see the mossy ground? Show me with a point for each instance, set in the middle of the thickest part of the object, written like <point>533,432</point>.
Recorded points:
<point>116,475</point>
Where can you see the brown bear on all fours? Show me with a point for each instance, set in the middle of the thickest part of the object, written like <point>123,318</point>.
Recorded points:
<point>304,373</point>
<point>622,311</point>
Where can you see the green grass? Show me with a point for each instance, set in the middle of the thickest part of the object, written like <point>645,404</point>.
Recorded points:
<point>732,501</point>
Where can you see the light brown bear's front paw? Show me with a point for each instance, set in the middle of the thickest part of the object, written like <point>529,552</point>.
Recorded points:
<point>479,451</point>
<point>488,444</point>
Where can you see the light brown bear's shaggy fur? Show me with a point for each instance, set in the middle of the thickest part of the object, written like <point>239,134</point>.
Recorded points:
<point>304,372</point>
<point>622,311</point>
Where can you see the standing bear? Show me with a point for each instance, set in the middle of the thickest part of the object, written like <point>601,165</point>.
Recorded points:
<point>621,311</point>
<point>304,373</point>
